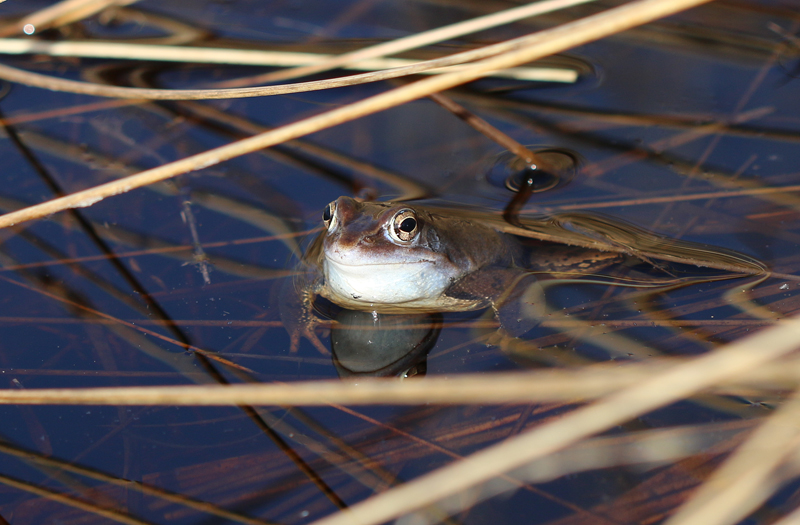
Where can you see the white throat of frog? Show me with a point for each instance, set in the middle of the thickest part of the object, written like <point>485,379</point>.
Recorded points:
<point>388,283</point>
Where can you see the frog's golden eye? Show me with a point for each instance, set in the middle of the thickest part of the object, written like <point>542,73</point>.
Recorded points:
<point>329,215</point>
<point>404,226</point>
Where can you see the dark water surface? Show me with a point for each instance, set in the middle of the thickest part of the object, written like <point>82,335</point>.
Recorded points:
<point>688,128</point>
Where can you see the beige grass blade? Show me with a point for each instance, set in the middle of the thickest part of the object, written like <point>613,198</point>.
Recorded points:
<point>547,42</point>
<point>468,388</point>
<point>584,383</point>
<point>248,57</point>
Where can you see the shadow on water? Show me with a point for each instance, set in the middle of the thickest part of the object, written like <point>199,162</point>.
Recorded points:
<point>660,220</point>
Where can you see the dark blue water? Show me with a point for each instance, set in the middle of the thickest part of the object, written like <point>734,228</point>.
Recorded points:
<point>666,121</point>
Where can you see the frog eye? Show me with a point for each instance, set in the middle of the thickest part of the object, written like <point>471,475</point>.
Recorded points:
<point>329,215</point>
<point>404,226</point>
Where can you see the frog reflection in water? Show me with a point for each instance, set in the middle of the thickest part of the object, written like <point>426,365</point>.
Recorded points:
<point>396,258</point>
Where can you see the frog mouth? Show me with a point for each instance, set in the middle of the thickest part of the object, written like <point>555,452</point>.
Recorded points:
<point>338,259</point>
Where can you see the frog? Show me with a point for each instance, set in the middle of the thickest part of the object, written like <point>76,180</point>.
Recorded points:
<point>399,258</point>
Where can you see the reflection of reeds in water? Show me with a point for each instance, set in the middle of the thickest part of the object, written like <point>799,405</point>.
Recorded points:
<point>751,367</point>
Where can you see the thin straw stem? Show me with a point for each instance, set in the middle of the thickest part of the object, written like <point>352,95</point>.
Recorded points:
<point>564,385</point>
<point>483,389</point>
<point>247,57</point>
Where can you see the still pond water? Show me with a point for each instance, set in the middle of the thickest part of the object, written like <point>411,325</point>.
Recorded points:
<point>688,127</point>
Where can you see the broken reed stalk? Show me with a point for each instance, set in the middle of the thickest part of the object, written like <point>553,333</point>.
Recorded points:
<point>545,43</point>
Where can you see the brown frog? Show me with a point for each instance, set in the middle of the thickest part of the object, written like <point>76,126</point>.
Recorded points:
<point>388,257</point>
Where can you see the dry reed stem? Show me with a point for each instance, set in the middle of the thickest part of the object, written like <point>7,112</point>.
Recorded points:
<point>546,42</point>
<point>103,90</point>
<point>469,388</point>
<point>748,477</point>
<point>247,57</point>
<point>672,385</point>
<point>565,385</point>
